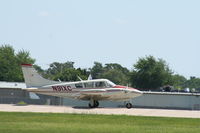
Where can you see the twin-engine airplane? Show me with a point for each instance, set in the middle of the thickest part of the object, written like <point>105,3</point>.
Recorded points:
<point>91,90</point>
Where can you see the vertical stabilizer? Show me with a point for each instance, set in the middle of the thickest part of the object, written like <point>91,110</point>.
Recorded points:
<point>32,78</point>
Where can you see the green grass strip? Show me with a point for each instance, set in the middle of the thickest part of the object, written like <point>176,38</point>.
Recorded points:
<point>12,122</point>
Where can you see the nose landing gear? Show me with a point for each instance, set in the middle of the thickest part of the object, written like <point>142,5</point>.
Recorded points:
<point>129,105</point>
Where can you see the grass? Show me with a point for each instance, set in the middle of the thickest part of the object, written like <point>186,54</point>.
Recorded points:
<point>82,123</point>
<point>21,103</point>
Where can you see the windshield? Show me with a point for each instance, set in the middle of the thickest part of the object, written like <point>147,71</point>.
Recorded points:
<point>110,84</point>
<point>103,84</point>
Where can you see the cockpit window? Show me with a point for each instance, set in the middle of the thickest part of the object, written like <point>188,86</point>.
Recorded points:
<point>100,84</point>
<point>103,84</point>
<point>80,85</point>
<point>109,85</point>
<point>89,85</point>
<point>95,84</point>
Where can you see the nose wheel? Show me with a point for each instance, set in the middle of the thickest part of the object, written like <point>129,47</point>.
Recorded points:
<point>129,105</point>
<point>93,104</point>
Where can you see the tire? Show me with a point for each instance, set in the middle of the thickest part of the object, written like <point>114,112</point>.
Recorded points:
<point>90,105</point>
<point>129,105</point>
<point>96,103</point>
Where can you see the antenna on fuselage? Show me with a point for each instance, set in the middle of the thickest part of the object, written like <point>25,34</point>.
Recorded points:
<point>79,78</point>
<point>127,86</point>
<point>90,77</point>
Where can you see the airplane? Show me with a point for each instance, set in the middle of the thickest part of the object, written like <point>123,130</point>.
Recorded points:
<point>94,90</point>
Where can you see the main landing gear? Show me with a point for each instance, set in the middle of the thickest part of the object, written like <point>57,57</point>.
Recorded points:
<point>93,104</point>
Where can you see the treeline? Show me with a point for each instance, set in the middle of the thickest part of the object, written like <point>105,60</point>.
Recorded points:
<point>148,73</point>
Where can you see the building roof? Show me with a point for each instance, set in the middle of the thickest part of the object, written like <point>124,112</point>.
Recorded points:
<point>15,85</point>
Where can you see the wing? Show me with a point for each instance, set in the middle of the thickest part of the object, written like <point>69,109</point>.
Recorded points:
<point>97,94</point>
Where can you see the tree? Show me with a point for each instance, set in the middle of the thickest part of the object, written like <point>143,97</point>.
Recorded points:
<point>10,63</point>
<point>193,82</point>
<point>57,67</point>
<point>65,72</point>
<point>68,74</point>
<point>116,66</point>
<point>179,81</point>
<point>116,76</point>
<point>22,57</point>
<point>116,73</point>
<point>112,71</point>
<point>150,74</point>
<point>96,70</point>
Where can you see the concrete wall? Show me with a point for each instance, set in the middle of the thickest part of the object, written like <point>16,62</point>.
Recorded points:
<point>16,95</point>
<point>168,100</point>
<point>151,100</point>
<point>13,93</point>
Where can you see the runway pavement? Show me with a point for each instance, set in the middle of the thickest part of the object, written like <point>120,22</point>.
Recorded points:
<point>101,110</point>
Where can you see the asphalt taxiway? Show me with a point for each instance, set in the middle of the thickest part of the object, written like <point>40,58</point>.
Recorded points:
<point>101,110</point>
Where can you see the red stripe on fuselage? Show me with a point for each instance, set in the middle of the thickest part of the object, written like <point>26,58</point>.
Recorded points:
<point>121,86</point>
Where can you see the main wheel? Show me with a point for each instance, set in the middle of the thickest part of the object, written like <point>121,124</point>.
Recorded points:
<point>129,105</point>
<point>96,103</point>
<point>90,105</point>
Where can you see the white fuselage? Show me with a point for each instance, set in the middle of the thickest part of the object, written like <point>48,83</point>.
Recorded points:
<point>86,90</point>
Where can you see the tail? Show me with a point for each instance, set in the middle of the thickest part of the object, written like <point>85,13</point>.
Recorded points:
<point>32,78</point>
